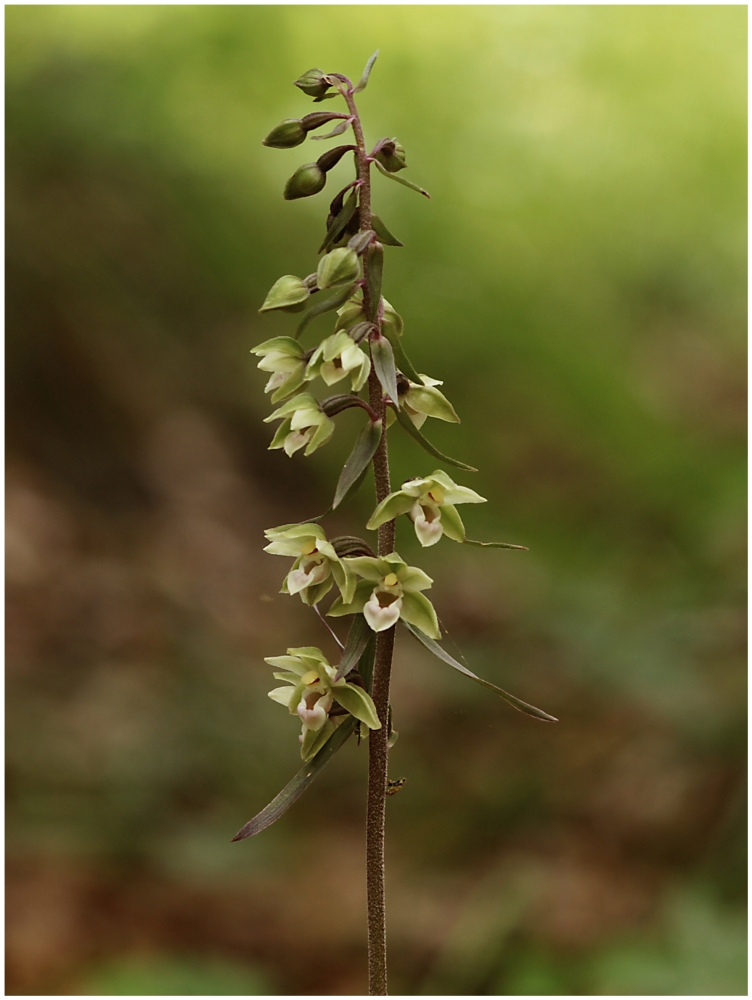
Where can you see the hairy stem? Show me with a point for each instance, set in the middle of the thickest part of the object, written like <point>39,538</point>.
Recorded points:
<point>378,745</point>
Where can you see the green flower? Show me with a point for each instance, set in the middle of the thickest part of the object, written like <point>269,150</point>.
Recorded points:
<point>421,401</point>
<point>310,693</point>
<point>306,425</point>
<point>430,504</point>
<point>316,565</point>
<point>336,357</point>
<point>285,359</point>
<point>389,589</point>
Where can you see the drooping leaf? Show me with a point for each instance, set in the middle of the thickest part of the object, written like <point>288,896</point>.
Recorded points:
<point>295,788</point>
<point>357,640</point>
<point>402,361</point>
<point>441,653</point>
<point>413,431</point>
<point>325,305</point>
<point>383,363</point>
<point>375,268</point>
<point>402,180</point>
<point>337,130</point>
<point>356,465</point>
<point>339,222</point>
<point>383,233</point>
<point>496,545</point>
<point>361,85</point>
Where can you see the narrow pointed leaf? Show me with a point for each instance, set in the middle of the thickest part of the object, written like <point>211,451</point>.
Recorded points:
<point>356,465</point>
<point>325,305</point>
<point>375,268</point>
<point>383,233</point>
<point>402,361</point>
<point>401,180</point>
<point>295,788</point>
<point>413,431</point>
<point>357,640</point>
<point>361,85</point>
<point>339,222</point>
<point>441,653</point>
<point>496,545</point>
<point>337,130</point>
<point>383,362</point>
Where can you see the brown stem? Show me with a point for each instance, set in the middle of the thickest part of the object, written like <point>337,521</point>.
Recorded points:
<point>378,742</point>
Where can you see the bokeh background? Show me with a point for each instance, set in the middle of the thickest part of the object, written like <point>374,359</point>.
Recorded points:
<point>578,281</point>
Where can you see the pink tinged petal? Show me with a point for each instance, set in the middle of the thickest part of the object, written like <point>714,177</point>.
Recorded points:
<point>278,379</point>
<point>381,615</point>
<point>298,580</point>
<point>428,526</point>
<point>297,440</point>
<point>313,709</point>
<point>331,372</point>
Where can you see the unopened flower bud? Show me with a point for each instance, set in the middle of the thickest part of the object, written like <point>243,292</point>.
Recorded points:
<point>313,83</point>
<point>307,180</point>
<point>288,293</point>
<point>332,157</point>
<point>318,118</point>
<point>287,134</point>
<point>338,268</point>
<point>391,155</point>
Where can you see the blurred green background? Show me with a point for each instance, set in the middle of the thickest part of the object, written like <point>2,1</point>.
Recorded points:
<point>578,281</point>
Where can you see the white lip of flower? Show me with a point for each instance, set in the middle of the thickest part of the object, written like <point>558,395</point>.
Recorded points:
<point>338,356</point>
<point>427,520</point>
<point>389,590</point>
<point>430,504</point>
<point>317,565</point>
<point>314,707</point>
<point>310,572</point>
<point>310,692</point>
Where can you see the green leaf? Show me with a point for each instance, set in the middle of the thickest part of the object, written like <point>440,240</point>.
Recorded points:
<point>325,305</point>
<point>337,130</point>
<point>401,180</point>
<point>496,545</point>
<point>339,222</point>
<point>413,431</point>
<point>441,653</point>
<point>357,640</point>
<point>401,359</point>
<point>375,270</point>
<point>383,233</point>
<point>356,465</point>
<point>361,85</point>
<point>383,363</point>
<point>295,788</point>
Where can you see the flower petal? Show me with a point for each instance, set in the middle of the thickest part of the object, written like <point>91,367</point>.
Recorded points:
<point>418,611</point>
<point>358,703</point>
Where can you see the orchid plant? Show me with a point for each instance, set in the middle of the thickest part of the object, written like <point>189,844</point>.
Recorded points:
<point>376,590</point>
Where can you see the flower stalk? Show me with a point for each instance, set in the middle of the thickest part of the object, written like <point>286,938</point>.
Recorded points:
<point>377,591</point>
